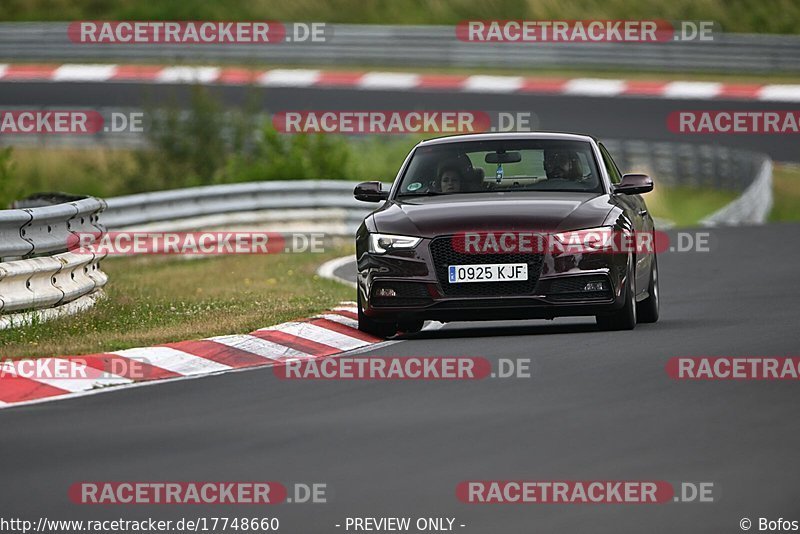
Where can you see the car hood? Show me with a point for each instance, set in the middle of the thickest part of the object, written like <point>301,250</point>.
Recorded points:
<point>517,211</point>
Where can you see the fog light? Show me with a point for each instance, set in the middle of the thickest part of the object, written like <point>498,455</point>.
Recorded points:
<point>386,292</point>
<point>595,286</point>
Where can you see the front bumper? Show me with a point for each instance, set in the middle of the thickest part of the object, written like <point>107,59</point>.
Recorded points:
<point>555,287</point>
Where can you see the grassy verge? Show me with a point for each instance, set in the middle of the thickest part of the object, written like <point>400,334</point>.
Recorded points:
<point>686,206</point>
<point>155,300</point>
<point>786,194</point>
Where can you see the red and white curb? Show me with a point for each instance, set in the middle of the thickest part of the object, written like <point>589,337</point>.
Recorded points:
<point>598,87</point>
<point>332,332</point>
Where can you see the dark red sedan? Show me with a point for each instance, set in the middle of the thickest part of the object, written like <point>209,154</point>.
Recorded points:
<point>507,226</point>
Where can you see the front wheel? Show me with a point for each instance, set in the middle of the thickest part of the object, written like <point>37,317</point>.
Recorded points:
<point>648,308</point>
<point>625,317</point>
<point>369,326</point>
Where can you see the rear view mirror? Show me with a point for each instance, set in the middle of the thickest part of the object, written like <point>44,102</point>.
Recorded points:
<point>370,192</point>
<point>503,157</point>
<point>634,184</point>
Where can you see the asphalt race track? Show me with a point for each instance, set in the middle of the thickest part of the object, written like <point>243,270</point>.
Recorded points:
<point>604,117</point>
<point>599,405</point>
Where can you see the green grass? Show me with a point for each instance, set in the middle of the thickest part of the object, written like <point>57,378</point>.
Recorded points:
<point>786,194</point>
<point>774,16</point>
<point>153,300</point>
<point>686,206</point>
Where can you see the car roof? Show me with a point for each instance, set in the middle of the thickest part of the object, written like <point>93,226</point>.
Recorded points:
<point>495,136</point>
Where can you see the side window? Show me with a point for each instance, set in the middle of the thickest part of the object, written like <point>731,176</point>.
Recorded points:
<point>611,167</point>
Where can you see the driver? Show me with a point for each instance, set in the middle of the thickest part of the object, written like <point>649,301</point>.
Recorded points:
<point>449,178</point>
<point>562,165</point>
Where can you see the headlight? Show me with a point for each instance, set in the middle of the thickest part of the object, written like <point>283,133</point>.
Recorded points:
<point>588,240</point>
<point>382,243</point>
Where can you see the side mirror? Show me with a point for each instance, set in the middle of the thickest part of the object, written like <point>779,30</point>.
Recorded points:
<point>370,192</point>
<point>634,184</point>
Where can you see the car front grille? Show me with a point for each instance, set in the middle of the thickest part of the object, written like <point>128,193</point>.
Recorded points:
<point>443,256</point>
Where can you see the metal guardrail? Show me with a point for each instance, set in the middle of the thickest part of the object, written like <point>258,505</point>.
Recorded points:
<point>752,207</point>
<point>11,241</point>
<point>28,232</point>
<point>706,166</point>
<point>434,46</point>
<point>309,195</point>
<point>49,281</point>
<point>36,269</point>
<point>691,165</point>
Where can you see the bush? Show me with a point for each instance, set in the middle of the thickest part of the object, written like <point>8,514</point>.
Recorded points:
<point>277,156</point>
<point>209,145</point>
<point>188,148</point>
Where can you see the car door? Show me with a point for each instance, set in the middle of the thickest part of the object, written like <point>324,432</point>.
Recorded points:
<point>636,211</point>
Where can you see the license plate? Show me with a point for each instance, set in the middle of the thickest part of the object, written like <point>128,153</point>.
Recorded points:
<point>488,272</point>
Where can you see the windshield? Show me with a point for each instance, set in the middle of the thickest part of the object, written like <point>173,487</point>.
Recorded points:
<point>501,165</point>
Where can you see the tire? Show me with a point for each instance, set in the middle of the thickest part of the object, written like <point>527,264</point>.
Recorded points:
<point>625,317</point>
<point>647,310</point>
<point>368,326</point>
